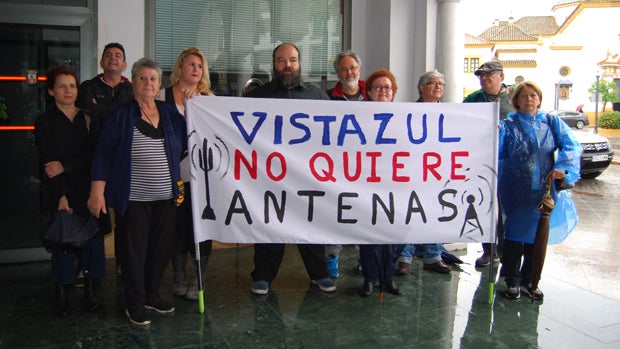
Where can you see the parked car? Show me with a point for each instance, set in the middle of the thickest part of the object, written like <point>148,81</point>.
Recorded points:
<point>572,118</point>
<point>597,154</point>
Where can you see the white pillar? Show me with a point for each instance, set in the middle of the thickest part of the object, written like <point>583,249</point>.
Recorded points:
<point>450,49</point>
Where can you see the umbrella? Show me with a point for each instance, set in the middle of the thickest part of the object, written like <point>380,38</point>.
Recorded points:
<point>542,236</point>
<point>69,230</point>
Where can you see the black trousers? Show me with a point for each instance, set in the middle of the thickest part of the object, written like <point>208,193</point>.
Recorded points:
<point>268,257</point>
<point>146,241</point>
<point>517,263</point>
<point>184,237</point>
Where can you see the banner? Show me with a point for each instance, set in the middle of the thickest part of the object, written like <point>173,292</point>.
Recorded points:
<point>333,172</point>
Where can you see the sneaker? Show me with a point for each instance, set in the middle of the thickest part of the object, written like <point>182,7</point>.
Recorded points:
<point>192,292</point>
<point>325,284</point>
<point>485,260</point>
<point>137,316</point>
<point>260,287</point>
<point>512,292</point>
<point>159,305</point>
<point>526,290</point>
<point>332,266</point>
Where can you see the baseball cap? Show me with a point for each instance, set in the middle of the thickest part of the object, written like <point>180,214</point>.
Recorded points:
<point>489,67</point>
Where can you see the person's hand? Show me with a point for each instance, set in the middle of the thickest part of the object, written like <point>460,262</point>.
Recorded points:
<point>63,204</point>
<point>53,169</point>
<point>556,173</point>
<point>187,93</point>
<point>94,101</point>
<point>96,205</point>
<point>96,201</point>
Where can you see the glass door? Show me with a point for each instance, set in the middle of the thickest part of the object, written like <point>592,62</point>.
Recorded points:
<point>29,50</point>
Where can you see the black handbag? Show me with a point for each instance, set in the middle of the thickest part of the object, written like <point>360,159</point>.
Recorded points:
<point>69,230</point>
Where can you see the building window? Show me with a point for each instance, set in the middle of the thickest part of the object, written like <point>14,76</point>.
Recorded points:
<point>465,65</point>
<point>474,64</point>
<point>238,37</point>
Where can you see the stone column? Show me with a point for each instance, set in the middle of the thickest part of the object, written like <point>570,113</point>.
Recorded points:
<point>450,49</point>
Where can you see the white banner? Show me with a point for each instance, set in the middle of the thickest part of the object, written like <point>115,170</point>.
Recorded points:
<point>333,172</point>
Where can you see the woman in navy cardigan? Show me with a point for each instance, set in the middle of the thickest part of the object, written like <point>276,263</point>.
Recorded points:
<point>136,171</point>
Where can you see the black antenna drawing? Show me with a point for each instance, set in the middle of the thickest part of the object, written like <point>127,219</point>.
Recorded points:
<point>205,157</point>
<point>471,218</point>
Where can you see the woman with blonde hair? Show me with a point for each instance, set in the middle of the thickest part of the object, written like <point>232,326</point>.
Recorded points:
<point>189,78</point>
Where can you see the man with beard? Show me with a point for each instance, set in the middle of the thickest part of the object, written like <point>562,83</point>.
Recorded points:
<point>349,87</point>
<point>287,83</point>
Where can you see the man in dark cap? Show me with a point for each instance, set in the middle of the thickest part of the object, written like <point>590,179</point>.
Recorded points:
<point>491,75</point>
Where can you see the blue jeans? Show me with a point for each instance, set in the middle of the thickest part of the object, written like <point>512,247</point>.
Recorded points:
<point>432,253</point>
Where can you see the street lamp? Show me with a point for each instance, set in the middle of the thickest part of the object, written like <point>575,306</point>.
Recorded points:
<point>596,105</point>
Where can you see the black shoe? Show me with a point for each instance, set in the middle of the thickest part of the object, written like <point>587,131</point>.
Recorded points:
<point>159,305</point>
<point>61,304</point>
<point>367,288</point>
<point>90,299</point>
<point>137,316</point>
<point>392,287</point>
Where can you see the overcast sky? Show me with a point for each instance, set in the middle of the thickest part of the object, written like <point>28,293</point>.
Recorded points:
<point>479,14</point>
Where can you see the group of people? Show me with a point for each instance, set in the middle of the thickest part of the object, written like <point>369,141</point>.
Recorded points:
<point>121,145</point>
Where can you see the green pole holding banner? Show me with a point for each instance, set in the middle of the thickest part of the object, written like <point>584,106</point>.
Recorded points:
<point>201,299</point>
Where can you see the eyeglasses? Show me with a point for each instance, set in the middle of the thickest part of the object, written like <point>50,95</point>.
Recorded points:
<point>435,83</point>
<point>382,88</point>
<point>487,74</point>
<point>349,69</point>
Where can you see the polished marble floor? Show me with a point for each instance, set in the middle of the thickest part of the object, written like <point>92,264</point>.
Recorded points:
<point>434,311</point>
<point>581,309</point>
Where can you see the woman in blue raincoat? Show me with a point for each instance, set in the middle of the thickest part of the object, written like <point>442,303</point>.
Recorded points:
<point>528,139</point>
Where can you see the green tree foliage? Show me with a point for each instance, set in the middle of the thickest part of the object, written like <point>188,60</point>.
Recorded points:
<point>609,120</point>
<point>607,90</point>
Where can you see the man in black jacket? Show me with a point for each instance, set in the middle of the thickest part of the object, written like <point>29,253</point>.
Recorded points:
<point>287,83</point>
<point>101,94</point>
<point>98,97</point>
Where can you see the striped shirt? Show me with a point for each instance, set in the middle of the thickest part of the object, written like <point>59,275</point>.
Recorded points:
<point>150,174</point>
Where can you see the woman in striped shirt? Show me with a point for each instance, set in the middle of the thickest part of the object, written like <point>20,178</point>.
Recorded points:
<point>136,171</point>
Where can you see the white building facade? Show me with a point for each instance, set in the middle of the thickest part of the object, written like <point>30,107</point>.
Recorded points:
<point>564,62</point>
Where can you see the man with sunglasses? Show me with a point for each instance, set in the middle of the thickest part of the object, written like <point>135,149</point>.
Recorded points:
<point>491,75</point>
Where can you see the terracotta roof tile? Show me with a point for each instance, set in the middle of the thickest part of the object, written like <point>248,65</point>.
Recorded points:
<point>538,25</point>
<point>509,32</point>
